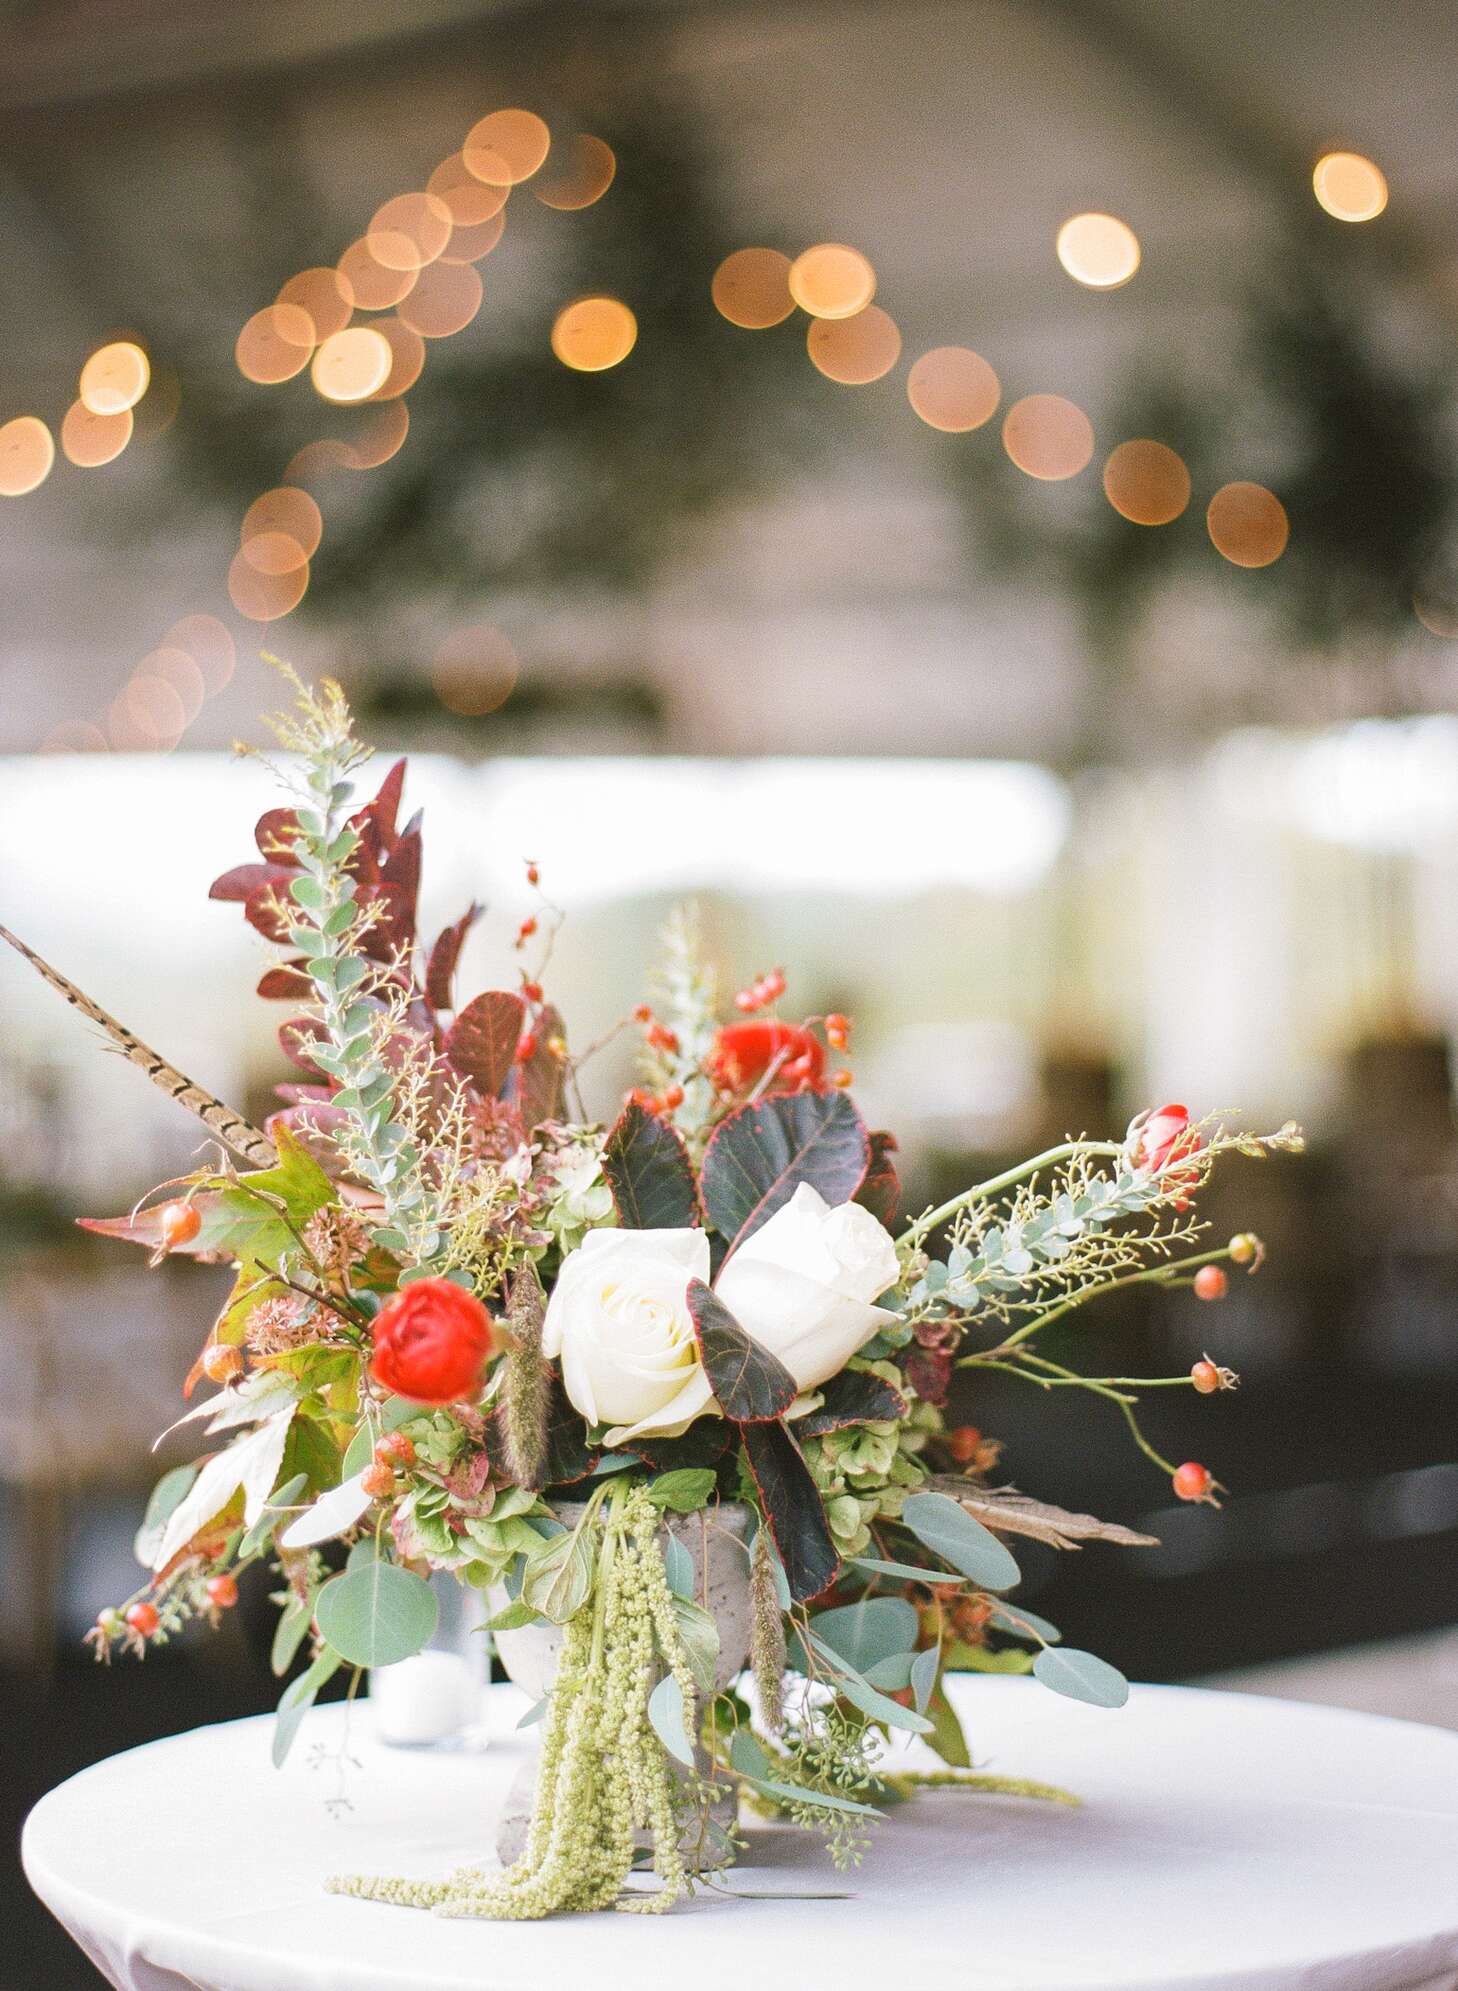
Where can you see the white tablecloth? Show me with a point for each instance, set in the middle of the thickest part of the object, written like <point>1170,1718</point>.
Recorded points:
<point>1224,1842</point>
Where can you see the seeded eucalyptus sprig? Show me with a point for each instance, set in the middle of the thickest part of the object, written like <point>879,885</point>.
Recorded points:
<point>326,926</point>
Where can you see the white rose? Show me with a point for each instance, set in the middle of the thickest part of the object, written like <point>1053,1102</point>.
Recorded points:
<point>803,1284</point>
<point>619,1321</point>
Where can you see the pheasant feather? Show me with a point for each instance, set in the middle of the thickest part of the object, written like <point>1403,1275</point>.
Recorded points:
<point>218,1118</point>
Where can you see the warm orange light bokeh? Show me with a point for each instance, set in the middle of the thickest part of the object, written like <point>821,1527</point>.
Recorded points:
<point>351,364</point>
<point>115,378</point>
<point>832,281</point>
<point>582,172</point>
<point>325,298</point>
<point>27,452</point>
<point>206,640</point>
<point>1248,524</point>
<point>372,286</point>
<point>91,440</point>
<point>470,201</point>
<point>275,344</point>
<point>380,434</point>
<point>594,334</point>
<point>407,357</point>
<point>507,147</point>
<point>954,389</point>
<point>265,597</point>
<point>281,530</point>
<point>1047,436</point>
<point>1098,250</point>
<point>409,231</point>
<point>475,670</point>
<point>855,351</point>
<point>180,671</point>
<point>752,288</point>
<point>1349,186</point>
<point>445,300</point>
<point>1146,482</point>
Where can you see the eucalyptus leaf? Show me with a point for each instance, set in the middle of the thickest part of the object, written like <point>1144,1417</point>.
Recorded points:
<point>167,1495</point>
<point>377,1613</point>
<point>890,1675</point>
<point>330,1514</point>
<point>678,1567</point>
<point>924,1670</point>
<point>944,1527</point>
<point>1081,1676</point>
<point>906,1572</point>
<point>666,1712</point>
<point>289,1633</point>
<point>860,1693</point>
<point>297,1699</point>
<point>864,1633</point>
<point>535,1712</point>
<point>1025,1624</point>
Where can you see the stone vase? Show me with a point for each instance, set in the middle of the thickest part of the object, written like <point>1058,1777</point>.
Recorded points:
<point>717,1541</point>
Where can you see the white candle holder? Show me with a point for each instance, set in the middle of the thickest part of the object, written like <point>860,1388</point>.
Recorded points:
<point>436,1700</point>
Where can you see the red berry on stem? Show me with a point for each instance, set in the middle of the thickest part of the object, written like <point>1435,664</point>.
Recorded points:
<point>143,1619</point>
<point>1192,1481</point>
<point>395,1449</point>
<point>837,1030</point>
<point>222,1592</point>
<point>1211,1283</point>
<point>378,1481</point>
<point>526,1047</point>
<point>746,1002</point>
<point>1206,1377</point>
<point>673,1098</point>
<point>642,1014</point>
<point>532,991</point>
<point>772,985</point>
<point>534,876</point>
<point>221,1362</point>
<point>180,1224</point>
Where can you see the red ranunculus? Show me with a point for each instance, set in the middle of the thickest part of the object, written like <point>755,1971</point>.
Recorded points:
<point>1160,1137</point>
<point>744,1052</point>
<point>432,1341</point>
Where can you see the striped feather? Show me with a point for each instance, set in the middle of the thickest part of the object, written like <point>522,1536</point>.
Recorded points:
<point>217,1117</point>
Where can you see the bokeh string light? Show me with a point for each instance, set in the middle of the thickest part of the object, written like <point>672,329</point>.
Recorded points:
<point>855,351</point>
<point>1247,524</point>
<point>1048,437</point>
<point>27,452</point>
<point>275,344</point>
<point>1349,186</point>
<point>953,389</point>
<point>410,231</point>
<point>444,301</point>
<point>1146,482</point>
<point>1098,250</point>
<point>352,364</point>
<point>581,176</point>
<point>751,288</point>
<point>475,670</point>
<point>90,440</point>
<point>831,280</point>
<point>594,333</point>
<point>507,147</point>
<point>115,378</point>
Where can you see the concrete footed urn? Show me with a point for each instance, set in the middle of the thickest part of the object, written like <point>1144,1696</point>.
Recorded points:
<point>717,1543</point>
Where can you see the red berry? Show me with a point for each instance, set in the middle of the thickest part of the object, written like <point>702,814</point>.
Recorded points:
<point>837,1030</point>
<point>662,1038</point>
<point>526,1047</point>
<point>642,1014</point>
<point>1211,1283</point>
<point>532,991</point>
<point>534,876</point>
<point>842,1078</point>
<point>221,1362</point>
<point>746,1002</point>
<point>180,1224</point>
<point>773,984</point>
<point>378,1481</point>
<point>395,1449</point>
<point>222,1592</point>
<point>143,1619</point>
<point>1192,1481</point>
<point>525,931</point>
<point>673,1098</point>
<point>964,1442</point>
<point>1206,1377</point>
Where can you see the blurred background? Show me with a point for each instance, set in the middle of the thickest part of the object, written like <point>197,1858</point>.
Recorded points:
<point>966,492</point>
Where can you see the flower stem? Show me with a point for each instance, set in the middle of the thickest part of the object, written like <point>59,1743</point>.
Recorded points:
<point>1066,1150</point>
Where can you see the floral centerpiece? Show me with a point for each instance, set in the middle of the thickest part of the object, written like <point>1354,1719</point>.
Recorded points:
<point>472,1329</point>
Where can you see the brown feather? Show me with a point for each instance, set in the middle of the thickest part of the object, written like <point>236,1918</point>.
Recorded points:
<point>218,1118</point>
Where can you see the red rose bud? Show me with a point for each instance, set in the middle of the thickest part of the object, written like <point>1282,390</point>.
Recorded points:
<point>744,1052</point>
<point>432,1342</point>
<point>1159,1138</point>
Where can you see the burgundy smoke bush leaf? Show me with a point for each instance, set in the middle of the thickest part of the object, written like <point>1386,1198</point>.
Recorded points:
<point>929,1372</point>
<point>295,1038</point>
<point>853,1397</point>
<point>245,879</point>
<point>384,810</point>
<point>287,983</point>
<point>792,1508</point>
<point>703,1444</point>
<point>445,957</point>
<point>274,833</point>
<point>481,1043</point>
<point>649,1172</point>
<point>266,909</point>
<point>752,1385</point>
<point>760,1155</point>
<point>538,1086</point>
<point>880,1192</point>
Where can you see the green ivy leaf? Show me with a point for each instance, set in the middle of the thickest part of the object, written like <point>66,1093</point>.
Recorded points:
<point>684,1491</point>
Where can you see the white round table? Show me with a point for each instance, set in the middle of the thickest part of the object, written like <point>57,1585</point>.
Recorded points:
<point>1223,1842</point>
